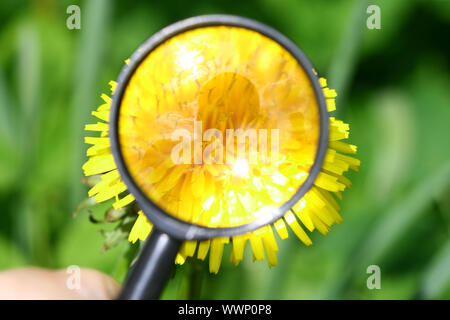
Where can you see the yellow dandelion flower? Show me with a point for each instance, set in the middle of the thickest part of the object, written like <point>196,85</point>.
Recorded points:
<point>223,195</point>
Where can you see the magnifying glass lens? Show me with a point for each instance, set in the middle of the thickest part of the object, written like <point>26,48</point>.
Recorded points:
<point>219,126</point>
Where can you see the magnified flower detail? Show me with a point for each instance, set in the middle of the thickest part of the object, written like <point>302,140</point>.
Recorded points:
<point>222,134</point>
<point>231,193</point>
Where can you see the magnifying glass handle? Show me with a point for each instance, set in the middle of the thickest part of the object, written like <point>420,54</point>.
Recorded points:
<point>146,279</point>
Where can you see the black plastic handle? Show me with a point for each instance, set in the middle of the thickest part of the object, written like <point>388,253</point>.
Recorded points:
<point>146,279</point>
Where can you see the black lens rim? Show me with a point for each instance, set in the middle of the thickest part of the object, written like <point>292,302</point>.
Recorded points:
<point>164,221</point>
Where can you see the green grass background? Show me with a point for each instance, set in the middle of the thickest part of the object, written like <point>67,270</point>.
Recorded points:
<point>393,87</point>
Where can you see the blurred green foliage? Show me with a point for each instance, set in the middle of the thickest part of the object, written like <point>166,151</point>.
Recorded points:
<point>393,90</point>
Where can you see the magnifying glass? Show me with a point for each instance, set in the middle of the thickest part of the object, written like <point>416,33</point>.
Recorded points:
<point>218,126</point>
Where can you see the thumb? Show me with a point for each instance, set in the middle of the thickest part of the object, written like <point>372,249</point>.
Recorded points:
<point>73,283</point>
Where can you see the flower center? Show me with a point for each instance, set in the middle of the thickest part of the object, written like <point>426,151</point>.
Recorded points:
<point>228,101</point>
